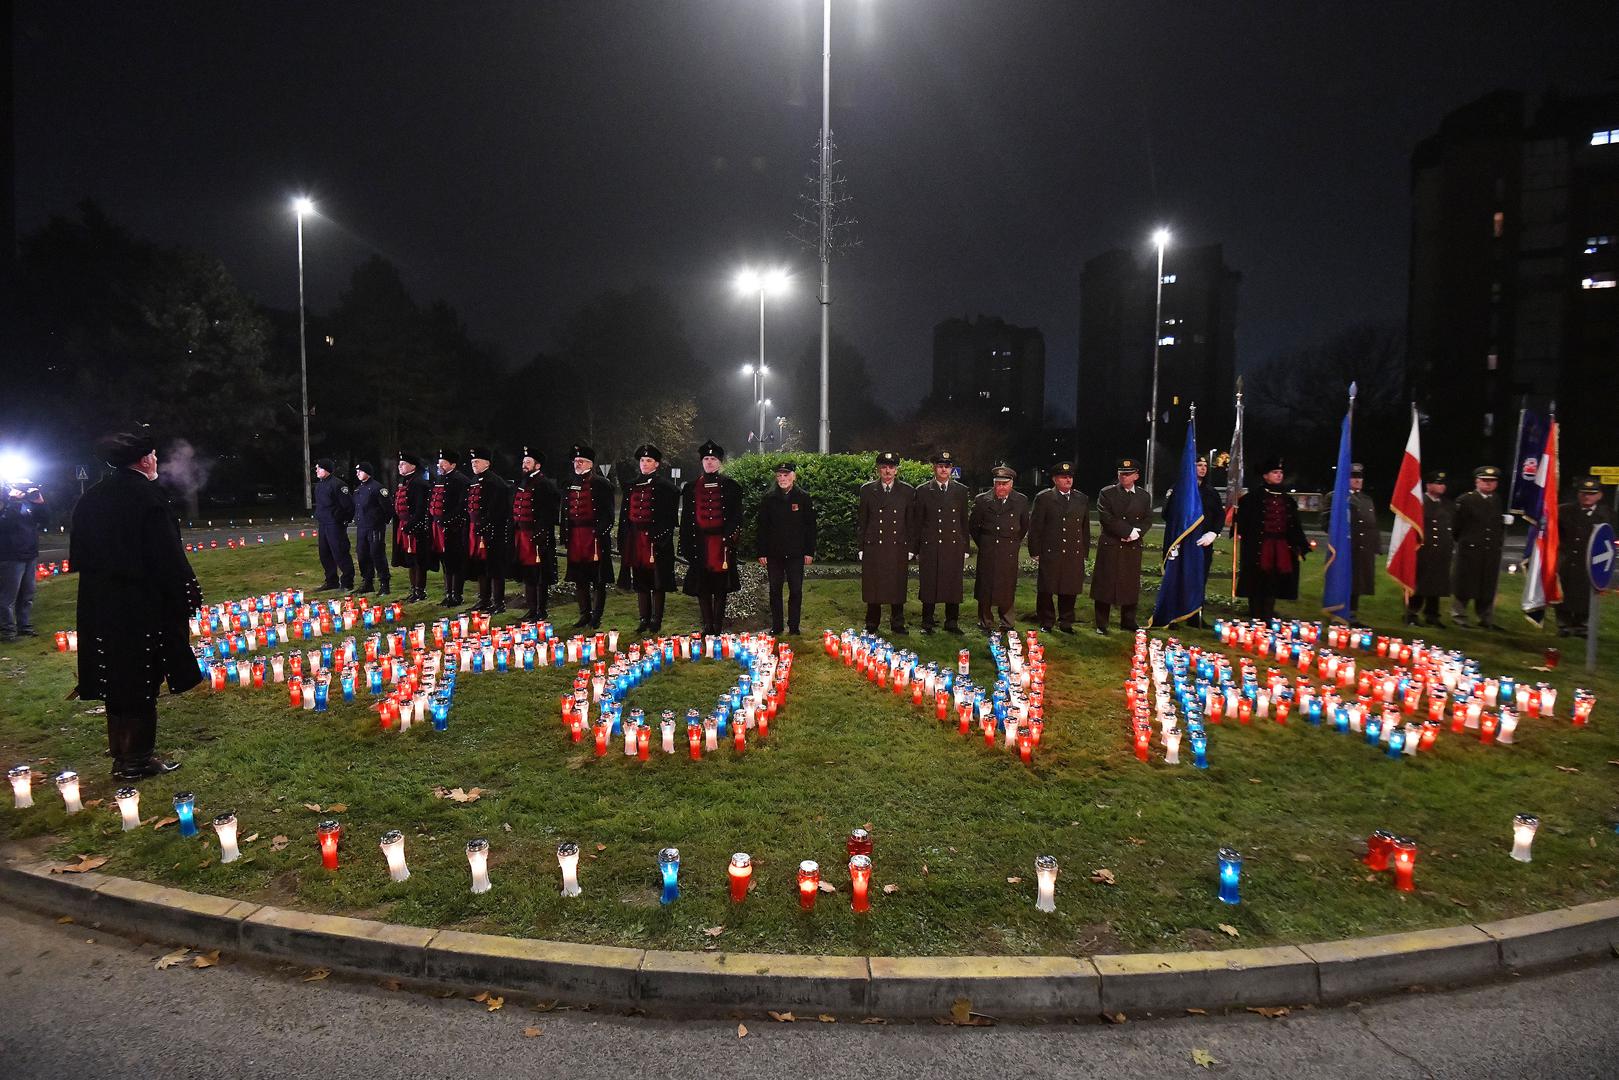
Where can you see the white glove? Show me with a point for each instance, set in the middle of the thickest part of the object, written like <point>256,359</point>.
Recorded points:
<point>1135,534</point>
<point>1506,519</point>
<point>1174,553</point>
<point>1206,539</point>
<point>860,556</point>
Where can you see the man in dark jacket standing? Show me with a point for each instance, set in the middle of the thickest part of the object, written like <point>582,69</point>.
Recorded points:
<point>1271,544</point>
<point>939,512</point>
<point>786,543</point>
<point>1575,520</point>
<point>647,521</point>
<point>489,531</point>
<point>710,525</point>
<point>587,529</point>
<point>1059,541</point>
<point>334,509</point>
<point>136,593</point>
<point>534,540</point>
<point>413,529</point>
<point>22,513</point>
<point>883,532</point>
<point>1434,554</point>
<point>1124,512</point>
<point>998,523</point>
<point>447,512</point>
<point>1199,546</point>
<point>372,512</point>
<point>1480,529</point>
<point>1365,538</point>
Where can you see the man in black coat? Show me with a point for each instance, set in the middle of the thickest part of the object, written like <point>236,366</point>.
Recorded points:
<point>587,530</point>
<point>372,513</point>
<point>1059,542</point>
<point>334,509</point>
<point>710,524</point>
<point>786,543</point>
<point>647,521</point>
<point>1434,554</point>
<point>1576,520</point>
<point>940,510</point>
<point>22,515</point>
<point>413,529</point>
<point>1271,544</point>
<point>489,531</point>
<point>136,594</point>
<point>447,511</point>
<point>1201,545</point>
<point>1479,526</point>
<point>534,533</point>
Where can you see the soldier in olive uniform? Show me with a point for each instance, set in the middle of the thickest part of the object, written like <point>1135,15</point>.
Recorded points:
<point>586,518</point>
<point>1480,530</point>
<point>647,521</point>
<point>1060,541</point>
<point>1434,553</point>
<point>998,523</point>
<point>489,531</point>
<point>939,512</point>
<point>883,531</point>
<point>1576,520</point>
<point>1365,540</point>
<point>1125,513</point>
<point>535,501</point>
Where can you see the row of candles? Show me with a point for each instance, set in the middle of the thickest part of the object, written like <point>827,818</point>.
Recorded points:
<point>1011,710</point>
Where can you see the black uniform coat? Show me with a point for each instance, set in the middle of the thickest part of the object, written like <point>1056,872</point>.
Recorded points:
<point>1365,540</point>
<point>334,506</point>
<point>657,498</point>
<point>489,530</point>
<point>1060,537</point>
<point>1574,525</point>
<point>694,538</point>
<point>1287,532</point>
<point>535,504</point>
<point>447,507</point>
<point>1438,545</point>
<point>883,531</point>
<point>998,527</point>
<point>1480,534</point>
<point>786,524</point>
<point>411,526</point>
<point>372,507</point>
<point>595,564</point>
<point>1118,560</point>
<point>941,539</point>
<point>136,593</point>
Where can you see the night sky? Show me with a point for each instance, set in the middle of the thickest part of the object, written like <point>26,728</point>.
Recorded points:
<point>515,159</point>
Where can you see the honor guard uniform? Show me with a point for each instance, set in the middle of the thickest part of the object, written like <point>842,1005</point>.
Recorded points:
<point>710,524</point>
<point>535,499</point>
<point>1271,544</point>
<point>447,510</point>
<point>587,528</point>
<point>373,510</point>
<point>1576,520</point>
<point>999,521</point>
<point>1202,548</point>
<point>939,513</point>
<point>1060,541</point>
<point>786,543</point>
<point>1124,512</point>
<point>334,509</point>
<point>413,529</point>
<point>647,520</point>
<point>489,531</point>
<point>883,533</point>
<point>1480,530</point>
<point>1365,539</point>
<point>1434,553</point>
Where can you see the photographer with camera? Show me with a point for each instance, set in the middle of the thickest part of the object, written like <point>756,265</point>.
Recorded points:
<point>22,515</point>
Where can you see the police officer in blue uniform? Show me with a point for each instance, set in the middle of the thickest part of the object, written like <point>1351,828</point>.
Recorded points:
<point>334,509</point>
<point>373,510</point>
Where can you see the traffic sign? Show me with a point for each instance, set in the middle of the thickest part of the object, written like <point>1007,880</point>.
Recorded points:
<point>1601,556</point>
<point>82,473</point>
<point>1607,474</point>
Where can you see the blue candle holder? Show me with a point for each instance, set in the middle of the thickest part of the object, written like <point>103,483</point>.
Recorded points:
<point>1230,876</point>
<point>1200,746</point>
<point>185,808</point>
<point>1374,728</point>
<point>441,712</point>
<point>348,686</point>
<point>322,694</point>
<point>669,871</point>
<point>1396,743</point>
<point>326,655</point>
<point>1340,718</point>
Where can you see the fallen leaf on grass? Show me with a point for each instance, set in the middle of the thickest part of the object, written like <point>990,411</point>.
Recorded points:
<point>1136,840</point>
<point>337,808</point>
<point>825,1019</point>
<point>506,826</point>
<point>90,804</point>
<point>1227,928</point>
<point>458,795</point>
<point>714,931</point>
<point>314,807</point>
<point>1459,902</point>
<point>85,863</point>
<point>250,839</point>
<point>178,956</point>
<point>317,975</point>
<point>206,960</point>
<point>1202,1057</point>
<point>1274,1013</point>
<point>205,864</point>
<point>278,843</point>
<point>1115,1018</point>
<point>545,1006</point>
<point>924,869</point>
<point>890,889</point>
<point>171,820</point>
<point>1197,1012</point>
<point>391,984</point>
<point>481,996</point>
<point>601,847</point>
<point>530,1032</point>
<point>1299,856</point>
<point>1591,840</point>
<point>742,1031</point>
<point>1565,768</point>
<point>1014,881</point>
<point>65,919</point>
<point>1255,780</point>
<point>495,1002</point>
<point>1612,761</point>
<point>828,887</point>
<point>1103,876</point>
<point>783,1018</point>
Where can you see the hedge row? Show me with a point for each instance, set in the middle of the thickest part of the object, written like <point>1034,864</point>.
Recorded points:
<point>833,481</point>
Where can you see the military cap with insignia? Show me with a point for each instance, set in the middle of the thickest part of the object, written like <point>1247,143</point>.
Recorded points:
<point>479,453</point>
<point>410,458</point>
<point>531,452</point>
<point>1003,472</point>
<point>1129,464</point>
<point>452,456</point>
<point>1589,483</point>
<point>785,467</point>
<point>943,457</point>
<point>1487,472</point>
<point>1356,469</point>
<point>711,449</point>
<point>1436,476</point>
<point>1063,468</point>
<point>581,450</point>
<point>1202,459</point>
<point>648,450</point>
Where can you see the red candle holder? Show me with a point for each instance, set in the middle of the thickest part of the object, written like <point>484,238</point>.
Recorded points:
<point>859,842</point>
<point>860,882</point>
<point>1143,739</point>
<point>1405,863</point>
<point>1486,729</point>
<point>964,714</point>
<point>694,736</point>
<point>1379,848</point>
<point>602,731</point>
<point>809,883</point>
<point>941,705</point>
<point>739,741</point>
<point>1025,745</point>
<point>327,835</point>
<point>643,742</point>
<point>741,874</point>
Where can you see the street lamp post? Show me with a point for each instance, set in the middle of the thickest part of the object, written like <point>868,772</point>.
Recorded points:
<point>301,206</point>
<point>825,245</point>
<point>1161,239</point>
<point>767,282</point>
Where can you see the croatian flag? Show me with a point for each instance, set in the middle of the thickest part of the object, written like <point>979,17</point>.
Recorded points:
<point>1407,507</point>
<point>1540,584</point>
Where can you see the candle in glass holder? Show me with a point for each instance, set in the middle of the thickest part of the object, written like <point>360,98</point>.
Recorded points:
<point>1379,848</point>
<point>129,805</point>
<point>22,786</point>
<point>694,736</point>
<point>478,861</point>
<point>643,741</point>
<point>1230,876</point>
<point>1506,726</point>
<point>859,843</point>
<point>393,849</point>
<point>1405,863</point>
<point>860,882</point>
<point>1200,746</point>
<point>1486,729</point>
<point>1396,741</point>
<point>1584,702</point>
<point>568,861</point>
<point>327,834</point>
<point>711,736</point>
<point>666,727</point>
<point>1172,746</point>
<point>669,874</point>
<point>185,810</point>
<point>225,828</point>
<point>1045,872</point>
<point>67,783</point>
<point>809,883</point>
<point>1523,835</point>
<point>741,874</point>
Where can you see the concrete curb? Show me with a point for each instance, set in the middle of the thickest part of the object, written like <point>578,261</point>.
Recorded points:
<point>998,986</point>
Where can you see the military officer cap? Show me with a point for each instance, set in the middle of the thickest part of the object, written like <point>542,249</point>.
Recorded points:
<point>1202,459</point>
<point>1436,476</point>
<point>648,450</point>
<point>943,457</point>
<point>1063,468</point>
<point>1003,472</point>
<point>1272,464</point>
<point>785,467</point>
<point>1486,472</point>
<point>413,459</point>
<point>1129,464</point>
<point>1589,483</point>
<point>452,456</point>
<point>530,452</point>
<point>125,448</point>
<point>711,449</point>
<point>479,453</point>
<point>1356,469</point>
<point>888,457</point>
<point>580,450</point>
<point>365,467</point>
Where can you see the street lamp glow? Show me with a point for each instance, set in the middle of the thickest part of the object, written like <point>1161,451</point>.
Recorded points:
<point>747,281</point>
<point>747,369</point>
<point>1160,238</point>
<point>302,205</point>
<point>775,282</point>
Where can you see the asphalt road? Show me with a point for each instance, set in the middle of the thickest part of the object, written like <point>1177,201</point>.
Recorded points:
<point>76,1002</point>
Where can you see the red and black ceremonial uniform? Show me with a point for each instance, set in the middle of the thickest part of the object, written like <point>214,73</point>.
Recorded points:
<point>587,537</point>
<point>535,499</point>
<point>413,539</point>
<point>447,514</point>
<point>489,537</point>
<point>710,524</point>
<point>1271,546</point>
<point>647,520</point>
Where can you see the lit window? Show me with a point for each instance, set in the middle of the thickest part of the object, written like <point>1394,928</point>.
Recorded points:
<point>1167,339</point>
<point>1601,281</point>
<point>984,394</point>
<point>1498,224</point>
<point>1489,423</point>
<point>1605,138</point>
<point>1593,244</point>
<point>1006,408</point>
<point>1168,279</point>
<point>1492,361</point>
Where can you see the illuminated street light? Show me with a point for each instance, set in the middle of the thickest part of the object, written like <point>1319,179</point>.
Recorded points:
<point>302,206</point>
<point>1160,239</point>
<point>764,282</point>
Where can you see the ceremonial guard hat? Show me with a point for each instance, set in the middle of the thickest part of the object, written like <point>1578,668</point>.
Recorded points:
<point>711,449</point>
<point>1487,472</point>
<point>1129,464</point>
<point>580,450</point>
<point>1063,468</point>
<point>452,456</point>
<point>648,450</point>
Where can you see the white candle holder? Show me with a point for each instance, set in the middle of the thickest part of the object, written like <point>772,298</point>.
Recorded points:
<point>1172,747</point>
<point>225,827</point>
<point>393,849</point>
<point>1524,827</point>
<point>129,805</point>
<point>67,783</point>
<point>22,786</point>
<point>1045,871</point>
<point>568,860</point>
<point>1506,726</point>
<point>478,860</point>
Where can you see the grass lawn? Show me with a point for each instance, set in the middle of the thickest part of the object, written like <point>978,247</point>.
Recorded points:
<point>952,821</point>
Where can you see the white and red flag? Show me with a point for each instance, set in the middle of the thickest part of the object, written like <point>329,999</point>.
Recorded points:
<point>1407,507</point>
<point>1540,584</point>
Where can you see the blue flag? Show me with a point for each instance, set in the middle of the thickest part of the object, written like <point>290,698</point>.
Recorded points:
<point>1180,597</point>
<point>1340,573</point>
